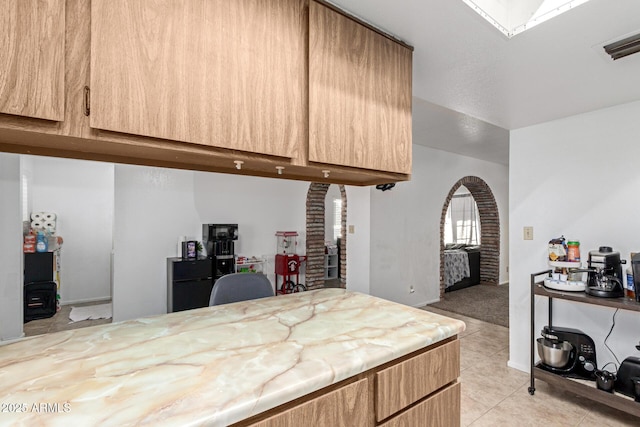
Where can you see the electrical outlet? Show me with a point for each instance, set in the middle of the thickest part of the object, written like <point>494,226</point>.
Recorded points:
<point>411,290</point>
<point>528,233</point>
<point>352,229</point>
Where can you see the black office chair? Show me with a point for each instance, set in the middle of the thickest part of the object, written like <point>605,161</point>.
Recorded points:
<point>240,287</point>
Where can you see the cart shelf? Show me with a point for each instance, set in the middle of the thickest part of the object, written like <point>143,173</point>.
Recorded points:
<point>582,388</point>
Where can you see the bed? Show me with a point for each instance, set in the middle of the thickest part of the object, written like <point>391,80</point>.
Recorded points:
<point>461,267</point>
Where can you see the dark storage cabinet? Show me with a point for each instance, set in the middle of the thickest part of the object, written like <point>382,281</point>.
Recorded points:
<point>40,290</point>
<point>189,283</point>
<point>39,300</point>
<point>38,267</point>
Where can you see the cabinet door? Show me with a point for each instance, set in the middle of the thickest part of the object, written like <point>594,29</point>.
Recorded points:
<point>32,58</point>
<point>359,95</point>
<point>439,410</point>
<point>407,382</point>
<point>345,407</point>
<point>223,73</point>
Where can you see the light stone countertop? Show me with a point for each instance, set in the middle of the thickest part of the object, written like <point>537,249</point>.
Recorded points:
<point>210,366</point>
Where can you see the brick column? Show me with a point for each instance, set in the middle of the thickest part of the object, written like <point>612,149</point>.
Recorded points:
<point>314,274</point>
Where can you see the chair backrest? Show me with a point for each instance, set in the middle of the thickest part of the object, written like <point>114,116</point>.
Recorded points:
<point>240,287</point>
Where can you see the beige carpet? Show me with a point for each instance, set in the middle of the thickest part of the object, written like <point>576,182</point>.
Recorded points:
<point>489,303</point>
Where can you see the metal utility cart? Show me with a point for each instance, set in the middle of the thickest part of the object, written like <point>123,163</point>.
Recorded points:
<point>589,391</point>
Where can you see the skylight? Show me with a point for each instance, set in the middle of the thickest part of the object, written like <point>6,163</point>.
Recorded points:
<point>513,17</point>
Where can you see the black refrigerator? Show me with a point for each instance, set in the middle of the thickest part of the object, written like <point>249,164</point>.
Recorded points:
<point>189,283</point>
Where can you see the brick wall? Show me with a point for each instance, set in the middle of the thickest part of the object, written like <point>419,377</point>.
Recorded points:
<point>489,229</point>
<point>314,274</point>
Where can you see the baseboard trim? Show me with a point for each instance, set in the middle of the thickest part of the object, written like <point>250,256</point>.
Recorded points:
<point>422,304</point>
<point>83,301</point>
<point>518,366</point>
<point>10,340</point>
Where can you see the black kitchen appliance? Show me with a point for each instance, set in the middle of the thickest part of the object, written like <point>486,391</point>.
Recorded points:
<point>635,264</point>
<point>628,371</point>
<point>219,241</point>
<point>605,273</point>
<point>578,348</point>
<point>189,283</point>
<point>39,291</point>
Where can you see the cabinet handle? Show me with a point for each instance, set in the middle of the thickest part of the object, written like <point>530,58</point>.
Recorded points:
<point>87,100</point>
<point>325,173</point>
<point>279,169</point>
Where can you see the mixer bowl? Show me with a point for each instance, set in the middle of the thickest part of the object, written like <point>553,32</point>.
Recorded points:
<point>554,353</point>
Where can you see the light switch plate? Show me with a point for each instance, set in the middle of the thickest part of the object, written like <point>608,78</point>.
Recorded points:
<point>352,229</point>
<point>528,233</point>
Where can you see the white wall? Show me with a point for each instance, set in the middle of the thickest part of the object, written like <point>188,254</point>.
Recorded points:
<point>576,177</point>
<point>153,206</point>
<point>333,192</point>
<point>358,242</point>
<point>10,248</point>
<point>81,194</point>
<point>405,224</point>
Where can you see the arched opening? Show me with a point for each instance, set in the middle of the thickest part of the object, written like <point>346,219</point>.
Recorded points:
<point>316,271</point>
<point>489,229</point>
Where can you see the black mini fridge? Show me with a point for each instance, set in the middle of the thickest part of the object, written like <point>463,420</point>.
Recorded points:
<point>189,283</point>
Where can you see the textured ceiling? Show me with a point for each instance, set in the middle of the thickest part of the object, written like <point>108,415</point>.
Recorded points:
<point>554,70</point>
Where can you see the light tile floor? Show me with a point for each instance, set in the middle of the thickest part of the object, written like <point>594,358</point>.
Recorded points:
<point>61,322</point>
<point>495,395</point>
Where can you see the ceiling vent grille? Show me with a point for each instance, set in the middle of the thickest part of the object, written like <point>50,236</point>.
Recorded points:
<point>624,47</point>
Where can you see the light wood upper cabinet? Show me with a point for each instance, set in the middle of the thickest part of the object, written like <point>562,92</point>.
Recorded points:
<point>32,57</point>
<point>222,73</point>
<point>359,95</point>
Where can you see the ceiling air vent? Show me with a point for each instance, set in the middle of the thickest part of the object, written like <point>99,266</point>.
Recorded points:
<point>624,47</point>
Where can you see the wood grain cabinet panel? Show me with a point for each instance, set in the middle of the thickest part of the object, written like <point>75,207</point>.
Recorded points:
<point>230,74</point>
<point>440,410</point>
<point>32,54</point>
<point>347,406</point>
<point>407,382</point>
<point>359,95</point>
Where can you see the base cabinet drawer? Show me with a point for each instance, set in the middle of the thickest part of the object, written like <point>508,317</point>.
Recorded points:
<point>417,390</point>
<point>407,382</point>
<point>347,406</point>
<point>440,410</point>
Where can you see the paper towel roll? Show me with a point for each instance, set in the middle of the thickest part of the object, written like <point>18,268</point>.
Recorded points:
<point>36,216</point>
<point>50,226</point>
<point>49,216</point>
<point>37,224</point>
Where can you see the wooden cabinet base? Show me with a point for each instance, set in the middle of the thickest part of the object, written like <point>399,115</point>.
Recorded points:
<point>360,400</point>
<point>440,410</point>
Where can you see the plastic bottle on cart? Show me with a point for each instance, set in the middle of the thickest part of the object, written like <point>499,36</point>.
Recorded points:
<point>573,251</point>
<point>630,288</point>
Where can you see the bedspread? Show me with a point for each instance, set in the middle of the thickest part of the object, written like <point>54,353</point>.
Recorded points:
<point>456,266</point>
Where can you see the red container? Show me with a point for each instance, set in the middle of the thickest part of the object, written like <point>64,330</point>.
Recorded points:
<point>29,248</point>
<point>287,264</point>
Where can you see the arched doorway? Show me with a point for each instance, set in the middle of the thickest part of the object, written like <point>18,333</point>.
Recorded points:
<point>314,273</point>
<point>489,229</point>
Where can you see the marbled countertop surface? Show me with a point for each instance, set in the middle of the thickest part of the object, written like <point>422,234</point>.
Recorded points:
<point>210,366</point>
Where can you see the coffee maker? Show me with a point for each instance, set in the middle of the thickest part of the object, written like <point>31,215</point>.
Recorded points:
<point>605,273</point>
<point>567,352</point>
<point>219,241</point>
